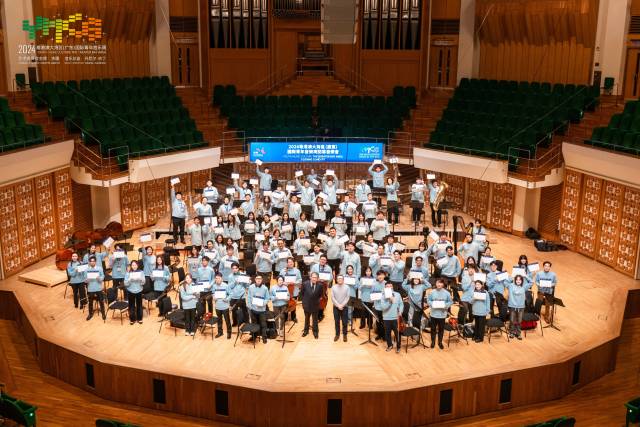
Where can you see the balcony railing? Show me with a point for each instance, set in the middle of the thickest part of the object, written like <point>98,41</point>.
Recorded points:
<point>297,9</point>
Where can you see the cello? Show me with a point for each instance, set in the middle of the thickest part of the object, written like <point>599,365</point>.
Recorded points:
<point>81,240</point>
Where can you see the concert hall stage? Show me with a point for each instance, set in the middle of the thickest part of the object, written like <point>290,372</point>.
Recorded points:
<point>307,380</point>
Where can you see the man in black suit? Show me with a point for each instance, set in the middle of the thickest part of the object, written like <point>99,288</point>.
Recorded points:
<point>310,293</point>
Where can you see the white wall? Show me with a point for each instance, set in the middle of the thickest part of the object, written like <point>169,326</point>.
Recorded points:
<point>105,205</point>
<point>526,208</point>
<point>160,41</point>
<point>609,52</point>
<point>612,166</point>
<point>13,13</point>
<point>466,39</point>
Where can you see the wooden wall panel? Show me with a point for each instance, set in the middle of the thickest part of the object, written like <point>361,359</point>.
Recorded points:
<point>612,198</point>
<point>131,206</point>
<point>199,179</point>
<point>64,205</point>
<point>570,207</point>
<point>445,9</point>
<point>502,205</point>
<point>384,69</point>
<point>26,214</point>
<point>627,256</point>
<point>46,215</point>
<point>248,69</point>
<point>156,199</point>
<point>9,235</point>
<point>549,212</point>
<point>478,199</point>
<point>589,215</point>
<point>82,207</point>
<point>456,191</point>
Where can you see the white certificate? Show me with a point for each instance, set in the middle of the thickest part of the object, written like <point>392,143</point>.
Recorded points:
<point>534,266</point>
<point>480,296</point>
<point>283,255</point>
<point>146,237</point>
<point>222,294</point>
<point>197,206</point>
<point>480,237</point>
<point>322,237</point>
<point>258,162</point>
<point>234,211</point>
<point>442,246</point>
<point>437,304</point>
<point>400,246</point>
<point>209,254</point>
<point>343,239</point>
<point>330,172</point>
<point>388,292</point>
<point>218,230</point>
<point>366,281</point>
<point>287,228</point>
<point>308,259</point>
<point>431,176</point>
<point>257,301</point>
<point>253,181</point>
<point>230,191</point>
<point>267,193</point>
<point>361,229</point>
<point>289,279</point>
<point>208,193</point>
<point>324,276</point>
<point>349,280</point>
<point>136,275</point>
<point>290,187</point>
<point>205,285</point>
<point>108,242</point>
<point>281,294</point>
<point>275,217</point>
<point>376,296</point>
<point>157,274</point>
<point>299,174</point>
<point>442,261</point>
<point>250,227</point>
<point>315,182</point>
<point>243,279</point>
<point>393,160</point>
<point>502,276</point>
<point>323,195</point>
<point>377,161</point>
<point>82,268</point>
<point>517,271</point>
<point>386,261</point>
<point>313,224</point>
<point>265,255</point>
<point>227,264</point>
<point>175,181</point>
<point>416,275</point>
<point>259,237</point>
<point>235,176</point>
<point>544,283</point>
<point>92,275</point>
<point>479,276</point>
<point>211,220</point>
<point>305,242</point>
<point>417,187</point>
<point>119,254</point>
<point>486,259</point>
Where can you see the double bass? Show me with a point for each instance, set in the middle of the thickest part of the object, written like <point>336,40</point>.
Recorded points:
<point>82,240</point>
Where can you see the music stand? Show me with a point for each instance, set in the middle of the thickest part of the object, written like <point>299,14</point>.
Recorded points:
<point>284,339</point>
<point>373,316</point>
<point>554,301</point>
<point>352,303</point>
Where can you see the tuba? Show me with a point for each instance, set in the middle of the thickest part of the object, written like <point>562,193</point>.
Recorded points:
<point>442,188</point>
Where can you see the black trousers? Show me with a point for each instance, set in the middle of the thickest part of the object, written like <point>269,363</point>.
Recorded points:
<point>241,305</point>
<point>178,228</point>
<point>467,305</point>
<point>260,317</point>
<point>341,316</point>
<point>135,306</point>
<point>437,325</point>
<point>220,314</point>
<point>478,330</point>
<point>436,213</point>
<point>278,211</point>
<point>380,324</point>
<point>367,316</point>
<point>190,319</point>
<point>96,296</point>
<point>79,294</point>
<point>313,316</point>
<point>416,213</point>
<point>335,265</point>
<point>393,213</point>
<point>452,284</point>
<point>391,325</point>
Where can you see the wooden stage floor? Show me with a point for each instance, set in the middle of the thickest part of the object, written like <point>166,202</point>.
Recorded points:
<point>594,296</point>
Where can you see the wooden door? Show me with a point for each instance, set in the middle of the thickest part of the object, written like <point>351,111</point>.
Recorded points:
<point>632,74</point>
<point>443,66</point>
<point>185,68</point>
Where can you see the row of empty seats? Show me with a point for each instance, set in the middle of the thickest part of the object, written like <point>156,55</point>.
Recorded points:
<point>15,132</point>
<point>622,133</point>
<point>125,116</point>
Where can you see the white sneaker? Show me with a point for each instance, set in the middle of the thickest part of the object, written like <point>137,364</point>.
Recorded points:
<point>192,333</point>
<point>186,334</point>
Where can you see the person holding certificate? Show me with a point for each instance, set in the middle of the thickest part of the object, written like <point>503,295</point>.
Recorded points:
<point>76,273</point>
<point>334,247</point>
<point>100,256</point>
<point>196,232</point>
<point>292,275</point>
<point>294,209</point>
<point>377,172</point>
<point>369,209</point>
<point>220,294</point>
<point>238,284</point>
<point>352,282</point>
<point>278,197</point>
<point>203,209</point>
<point>280,300</point>
<point>376,295</point>
<point>211,193</point>
<point>496,283</point>
<point>264,263</point>
<point>362,191</point>
<point>468,287</point>
<point>160,276</point>
<point>243,190</point>
<point>439,301</point>
<point>265,178</point>
<point>330,188</point>
<point>517,291</point>
<point>339,222</point>
<point>307,195</point>
<point>396,273</point>
<point>360,228</point>
<point>226,263</point>
<point>257,300</point>
<point>350,258</point>
<point>393,212</point>
<point>450,270</point>
<point>417,200</point>
<point>310,293</point>
<point>340,299</point>
<point>416,289</point>
<point>434,187</point>
<point>118,261</point>
<point>189,300</point>
<point>133,283</point>
<point>471,248</point>
<point>148,263</point>
<point>302,244</point>
<point>325,277</point>
<point>286,228</point>
<point>248,206</point>
<point>546,281</point>
<point>320,208</point>
<point>94,277</point>
<point>392,308</point>
<point>480,308</point>
<point>380,228</point>
<point>178,214</point>
<point>281,254</point>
